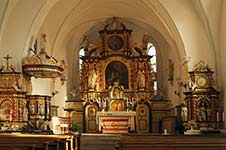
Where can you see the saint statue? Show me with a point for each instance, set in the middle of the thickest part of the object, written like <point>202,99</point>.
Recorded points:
<point>32,108</point>
<point>43,42</point>
<point>41,109</point>
<point>141,79</point>
<point>25,114</point>
<point>202,111</point>
<point>145,41</point>
<point>184,113</point>
<point>92,79</point>
<point>85,43</point>
<point>171,70</point>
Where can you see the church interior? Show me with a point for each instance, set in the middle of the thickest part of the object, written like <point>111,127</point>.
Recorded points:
<point>80,75</point>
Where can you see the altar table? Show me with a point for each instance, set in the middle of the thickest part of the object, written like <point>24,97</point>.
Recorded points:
<point>116,122</point>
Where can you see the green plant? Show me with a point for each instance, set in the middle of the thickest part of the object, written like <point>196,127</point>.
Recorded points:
<point>75,127</point>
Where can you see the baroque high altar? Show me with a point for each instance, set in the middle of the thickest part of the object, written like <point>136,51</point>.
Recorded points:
<point>117,83</point>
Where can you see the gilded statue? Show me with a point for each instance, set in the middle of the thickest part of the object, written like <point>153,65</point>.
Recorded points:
<point>92,79</point>
<point>141,79</point>
<point>43,42</point>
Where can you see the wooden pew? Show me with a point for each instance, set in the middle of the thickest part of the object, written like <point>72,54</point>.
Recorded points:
<point>167,142</point>
<point>36,142</point>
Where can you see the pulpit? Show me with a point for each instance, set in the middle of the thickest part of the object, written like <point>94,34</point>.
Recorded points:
<point>39,110</point>
<point>116,122</point>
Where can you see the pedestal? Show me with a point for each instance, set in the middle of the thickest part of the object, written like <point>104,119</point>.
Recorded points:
<point>75,112</point>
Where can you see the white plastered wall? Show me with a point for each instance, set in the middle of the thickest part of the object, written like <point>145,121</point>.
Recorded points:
<point>222,54</point>
<point>68,21</point>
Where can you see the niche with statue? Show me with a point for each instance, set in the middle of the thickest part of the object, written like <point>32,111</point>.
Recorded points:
<point>202,99</point>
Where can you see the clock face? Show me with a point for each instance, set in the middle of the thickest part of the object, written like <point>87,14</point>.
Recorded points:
<point>115,42</point>
<point>201,81</point>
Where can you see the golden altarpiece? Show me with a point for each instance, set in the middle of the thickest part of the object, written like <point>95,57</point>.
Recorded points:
<point>117,85</point>
<point>202,99</point>
<point>13,112</point>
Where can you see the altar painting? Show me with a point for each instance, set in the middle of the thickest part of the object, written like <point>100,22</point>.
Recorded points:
<point>116,72</point>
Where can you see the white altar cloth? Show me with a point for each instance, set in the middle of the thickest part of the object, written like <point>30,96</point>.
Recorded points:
<point>116,122</point>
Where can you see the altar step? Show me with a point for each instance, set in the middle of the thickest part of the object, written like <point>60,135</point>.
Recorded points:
<point>99,141</point>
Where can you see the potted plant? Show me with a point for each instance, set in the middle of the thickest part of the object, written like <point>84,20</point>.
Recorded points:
<point>75,127</point>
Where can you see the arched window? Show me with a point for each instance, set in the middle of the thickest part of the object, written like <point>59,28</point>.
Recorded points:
<point>81,54</point>
<point>81,66</point>
<point>152,52</point>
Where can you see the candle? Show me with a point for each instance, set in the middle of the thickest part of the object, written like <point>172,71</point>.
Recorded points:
<point>165,131</point>
<point>11,116</point>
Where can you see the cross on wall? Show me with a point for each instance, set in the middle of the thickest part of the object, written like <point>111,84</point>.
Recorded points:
<point>7,58</point>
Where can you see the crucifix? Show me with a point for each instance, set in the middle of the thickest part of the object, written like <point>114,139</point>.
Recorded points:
<point>7,58</point>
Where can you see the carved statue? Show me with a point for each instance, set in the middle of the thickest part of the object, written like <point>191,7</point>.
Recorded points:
<point>85,43</point>
<point>25,114</point>
<point>145,41</point>
<point>171,70</point>
<point>141,79</point>
<point>201,66</point>
<point>184,113</point>
<point>92,79</point>
<point>43,42</point>
<point>203,111</point>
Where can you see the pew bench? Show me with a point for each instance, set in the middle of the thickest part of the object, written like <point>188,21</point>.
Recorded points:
<point>36,142</point>
<point>180,142</point>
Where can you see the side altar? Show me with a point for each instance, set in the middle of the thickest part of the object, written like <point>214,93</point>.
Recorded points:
<point>112,122</point>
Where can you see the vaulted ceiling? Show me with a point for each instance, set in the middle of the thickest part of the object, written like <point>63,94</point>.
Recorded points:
<point>179,27</point>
